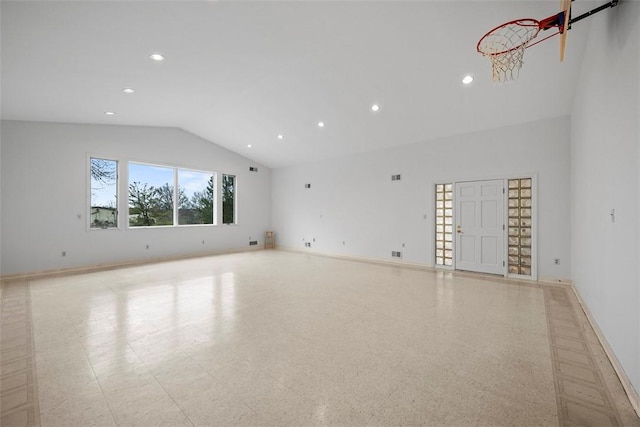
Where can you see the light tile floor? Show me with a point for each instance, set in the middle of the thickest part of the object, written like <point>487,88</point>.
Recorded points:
<point>272,338</point>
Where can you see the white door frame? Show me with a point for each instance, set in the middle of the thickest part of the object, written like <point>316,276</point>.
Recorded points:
<point>534,219</point>
<point>476,226</point>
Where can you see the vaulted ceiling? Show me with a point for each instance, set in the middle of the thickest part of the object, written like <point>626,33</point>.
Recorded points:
<point>242,73</point>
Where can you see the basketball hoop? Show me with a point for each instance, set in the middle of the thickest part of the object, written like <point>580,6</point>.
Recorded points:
<point>504,46</point>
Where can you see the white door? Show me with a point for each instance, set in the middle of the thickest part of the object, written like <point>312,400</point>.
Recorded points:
<point>479,226</point>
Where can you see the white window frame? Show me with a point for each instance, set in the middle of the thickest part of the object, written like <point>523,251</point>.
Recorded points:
<point>88,192</point>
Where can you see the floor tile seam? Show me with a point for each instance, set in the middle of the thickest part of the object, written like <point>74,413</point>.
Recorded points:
<point>24,336</point>
<point>30,362</point>
<point>32,347</point>
<point>607,407</point>
<point>95,376</point>
<point>592,366</point>
<point>606,393</point>
<point>567,376</point>
<point>26,350</point>
<point>29,403</point>
<point>14,297</point>
<point>22,340</point>
<point>235,392</point>
<point>584,352</point>
<point>588,365</point>
<point>173,399</point>
<point>23,346</point>
<point>14,324</point>
<point>591,405</point>
<point>562,421</point>
<point>26,372</point>
<point>24,407</point>
<point>219,381</point>
<point>12,309</point>
<point>567,347</point>
<point>21,387</point>
<point>577,312</point>
<point>97,380</point>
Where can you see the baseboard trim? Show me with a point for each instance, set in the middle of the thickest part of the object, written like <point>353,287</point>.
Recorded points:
<point>104,267</point>
<point>394,263</point>
<point>426,267</point>
<point>555,281</point>
<point>634,398</point>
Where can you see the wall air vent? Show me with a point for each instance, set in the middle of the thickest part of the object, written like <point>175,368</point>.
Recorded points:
<point>395,177</point>
<point>253,243</point>
<point>307,186</point>
<point>253,169</point>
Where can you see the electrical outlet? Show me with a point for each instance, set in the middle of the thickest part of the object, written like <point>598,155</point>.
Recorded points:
<point>556,261</point>
<point>64,253</point>
<point>147,246</point>
<point>307,244</point>
<point>203,242</point>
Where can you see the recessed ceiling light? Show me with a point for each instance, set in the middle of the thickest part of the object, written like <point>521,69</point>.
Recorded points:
<point>280,136</point>
<point>375,107</point>
<point>467,79</point>
<point>320,124</point>
<point>249,145</point>
<point>157,57</point>
<point>128,90</point>
<point>109,113</point>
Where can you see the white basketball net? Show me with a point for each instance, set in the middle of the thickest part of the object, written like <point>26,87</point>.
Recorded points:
<point>505,45</point>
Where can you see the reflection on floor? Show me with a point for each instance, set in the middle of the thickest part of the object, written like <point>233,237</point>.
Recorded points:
<point>272,338</point>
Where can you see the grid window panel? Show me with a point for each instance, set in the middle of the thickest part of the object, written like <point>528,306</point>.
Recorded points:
<point>444,221</point>
<point>520,225</point>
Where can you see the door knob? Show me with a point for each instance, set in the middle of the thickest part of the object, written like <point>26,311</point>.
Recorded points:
<point>459,230</point>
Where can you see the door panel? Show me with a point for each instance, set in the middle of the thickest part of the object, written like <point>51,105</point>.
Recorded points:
<point>467,248</point>
<point>467,214</point>
<point>479,226</point>
<point>489,250</point>
<point>489,213</point>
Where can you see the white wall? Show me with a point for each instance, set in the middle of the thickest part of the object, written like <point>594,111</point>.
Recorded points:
<point>1,271</point>
<point>353,199</point>
<point>605,141</point>
<point>45,187</point>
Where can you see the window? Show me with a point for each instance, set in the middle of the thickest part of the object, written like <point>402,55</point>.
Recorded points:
<point>228,199</point>
<point>520,226</point>
<point>444,224</point>
<point>151,195</point>
<point>196,196</point>
<point>103,209</point>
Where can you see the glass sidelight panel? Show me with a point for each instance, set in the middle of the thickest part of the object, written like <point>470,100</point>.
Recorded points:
<point>444,221</point>
<point>520,226</point>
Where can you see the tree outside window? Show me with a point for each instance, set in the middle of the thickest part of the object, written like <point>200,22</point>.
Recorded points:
<point>228,199</point>
<point>103,209</point>
<point>196,197</point>
<point>151,195</point>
